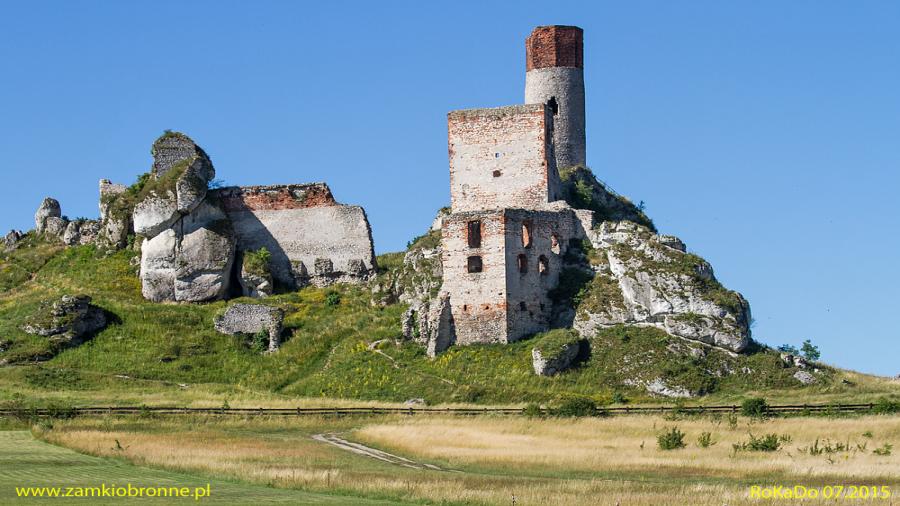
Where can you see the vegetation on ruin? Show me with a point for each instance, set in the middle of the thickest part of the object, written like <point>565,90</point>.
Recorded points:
<point>582,190</point>
<point>257,262</point>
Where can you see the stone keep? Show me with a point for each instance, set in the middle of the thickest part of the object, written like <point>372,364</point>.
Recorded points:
<point>508,229</point>
<point>554,57</point>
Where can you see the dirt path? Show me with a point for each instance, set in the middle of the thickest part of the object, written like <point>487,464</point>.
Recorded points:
<point>367,451</point>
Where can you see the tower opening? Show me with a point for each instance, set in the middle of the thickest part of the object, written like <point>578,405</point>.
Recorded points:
<point>523,263</point>
<point>526,233</point>
<point>553,105</point>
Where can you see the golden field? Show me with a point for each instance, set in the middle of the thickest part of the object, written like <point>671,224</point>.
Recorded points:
<point>505,460</point>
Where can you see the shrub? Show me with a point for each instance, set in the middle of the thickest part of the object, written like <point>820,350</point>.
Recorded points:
<point>885,406</point>
<point>619,398</point>
<point>257,262</point>
<point>671,439</point>
<point>259,342</point>
<point>767,443</point>
<point>756,407</point>
<point>576,406</point>
<point>884,451</point>
<point>533,410</point>
<point>332,299</point>
<point>705,440</point>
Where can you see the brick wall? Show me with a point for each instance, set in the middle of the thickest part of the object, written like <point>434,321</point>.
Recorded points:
<point>554,46</point>
<point>502,157</point>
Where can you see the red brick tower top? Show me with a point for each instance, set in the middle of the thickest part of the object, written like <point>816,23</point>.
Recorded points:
<point>554,46</point>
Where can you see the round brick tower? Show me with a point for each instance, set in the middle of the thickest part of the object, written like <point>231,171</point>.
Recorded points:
<point>554,65</point>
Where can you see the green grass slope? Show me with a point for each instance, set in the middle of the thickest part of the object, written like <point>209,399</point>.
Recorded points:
<point>327,351</point>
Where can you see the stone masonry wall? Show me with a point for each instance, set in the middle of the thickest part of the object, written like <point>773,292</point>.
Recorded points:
<point>536,242</point>
<point>502,157</point>
<point>477,300</point>
<point>312,238</point>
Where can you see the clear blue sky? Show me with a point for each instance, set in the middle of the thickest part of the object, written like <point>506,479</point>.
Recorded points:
<point>766,134</point>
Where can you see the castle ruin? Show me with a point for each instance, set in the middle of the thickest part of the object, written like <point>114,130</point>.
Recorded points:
<point>508,228</point>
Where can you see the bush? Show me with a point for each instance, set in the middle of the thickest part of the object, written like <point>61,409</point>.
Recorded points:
<point>756,407</point>
<point>884,451</point>
<point>332,299</point>
<point>885,406</point>
<point>257,262</point>
<point>576,406</point>
<point>705,440</point>
<point>259,342</point>
<point>533,410</point>
<point>767,443</point>
<point>672,439</point>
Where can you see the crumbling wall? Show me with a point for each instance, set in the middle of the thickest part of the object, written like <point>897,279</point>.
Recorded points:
<point>312,239</point>
<point>536,242</point>
<point>477,299</point>
<point>502,157</point>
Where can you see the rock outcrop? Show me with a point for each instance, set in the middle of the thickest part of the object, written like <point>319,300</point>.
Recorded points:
<point>67,321</point>
<point>250,319</point>
<point>49,208</point>
<point>11,239</point>
<point>641,278</point>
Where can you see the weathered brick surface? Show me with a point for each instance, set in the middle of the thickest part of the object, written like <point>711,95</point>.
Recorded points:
<point>502,157</point>
<point>275,197</point>
<point>554,46</point>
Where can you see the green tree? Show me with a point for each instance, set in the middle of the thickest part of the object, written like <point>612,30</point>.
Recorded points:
<point>810,351</point>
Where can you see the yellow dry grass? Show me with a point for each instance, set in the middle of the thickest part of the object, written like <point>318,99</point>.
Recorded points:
<point>493,459</point>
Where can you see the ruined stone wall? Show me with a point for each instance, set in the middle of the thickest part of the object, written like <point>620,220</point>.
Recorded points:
<point>477,299</point>
<point>536,242</point>
<point>312,238</point>
<point>554,74</point>
<point>502,157</point>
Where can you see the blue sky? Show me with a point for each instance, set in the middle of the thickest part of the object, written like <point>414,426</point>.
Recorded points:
<point>764,134</point>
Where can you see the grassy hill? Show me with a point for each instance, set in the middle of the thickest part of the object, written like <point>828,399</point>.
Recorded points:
<point>155,353</point>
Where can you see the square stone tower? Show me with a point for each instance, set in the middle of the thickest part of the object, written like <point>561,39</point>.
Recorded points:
<point>508,229</point>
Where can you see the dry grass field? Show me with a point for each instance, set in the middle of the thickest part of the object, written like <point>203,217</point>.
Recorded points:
<point>506,460</point>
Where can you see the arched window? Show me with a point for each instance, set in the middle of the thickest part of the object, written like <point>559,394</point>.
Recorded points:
<point>526,233</point>
<point>543,265</point>
<point>554,243</point>
<point>523,264</point>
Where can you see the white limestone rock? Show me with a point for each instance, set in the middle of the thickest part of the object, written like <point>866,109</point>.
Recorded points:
<point>155,213</point>
<point>49,208</point>
<point>550,365</point>
<point>662,286</point>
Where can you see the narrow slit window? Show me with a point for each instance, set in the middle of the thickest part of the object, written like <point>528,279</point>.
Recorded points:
<point>526,234</point>
<point>523,264</point>
<point>473,264</point>
<point>523,306</point>
<point>554,244</point>
<point>474,233</point>
<point>553,105</point>
<point>543,265</point>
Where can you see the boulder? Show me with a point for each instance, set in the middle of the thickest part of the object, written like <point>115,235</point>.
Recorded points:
<point>804,377</point>
<point>67,321</point>
<point>55,227</point>
<point>49,208</point>
<point>190,261</point>
<point>550,364</point>
<point>250,319</point>
<point>205,255</point>
<point>155,213</point>
<point>11,239</point>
